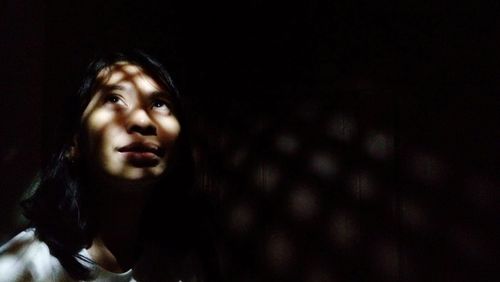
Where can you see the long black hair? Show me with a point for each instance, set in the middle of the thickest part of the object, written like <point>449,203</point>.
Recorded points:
<point>61,210</point>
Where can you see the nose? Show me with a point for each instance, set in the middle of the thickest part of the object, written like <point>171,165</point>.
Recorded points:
<point>140,122</point>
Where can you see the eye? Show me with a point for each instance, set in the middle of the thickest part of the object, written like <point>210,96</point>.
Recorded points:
<point>112,99</point>
<point>161,105</point>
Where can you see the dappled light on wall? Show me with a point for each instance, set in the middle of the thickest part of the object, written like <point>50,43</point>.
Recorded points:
<point>341,127</point>
<point>379,145</point>
<point>361,186</point>
<point>280,252</point>
<point>323,164</point>
<point>241,219</point>
<point>343,229</point>
<point>325,191</point>
<point>303,203</point>
<point>287,143</point>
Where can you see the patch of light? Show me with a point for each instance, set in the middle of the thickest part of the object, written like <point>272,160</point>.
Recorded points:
<point>361,185</point>
<point>343,229</point>
<point>303,203</point>
<point>287,143</point>
<point>341,127</point>
<point>280,252</point>
<point>267,176</point>
<point>323,164</point>
<point>241,218</point>
<point>379,145</point>
<point>10,267</point>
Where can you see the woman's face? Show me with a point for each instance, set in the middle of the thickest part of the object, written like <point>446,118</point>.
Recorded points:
<point>129,129</point>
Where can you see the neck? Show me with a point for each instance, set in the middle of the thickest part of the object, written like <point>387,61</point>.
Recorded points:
<point>116,246</point>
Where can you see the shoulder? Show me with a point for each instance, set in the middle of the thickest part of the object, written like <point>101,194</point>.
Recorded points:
<point>19,241</point>
<point>25,258</point>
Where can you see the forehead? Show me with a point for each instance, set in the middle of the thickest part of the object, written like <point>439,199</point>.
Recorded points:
<point>128,76</point>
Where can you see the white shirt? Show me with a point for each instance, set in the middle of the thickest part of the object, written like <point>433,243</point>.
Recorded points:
<point>25,258</point>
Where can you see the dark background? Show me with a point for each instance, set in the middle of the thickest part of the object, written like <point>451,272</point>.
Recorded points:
<point>341,142</point>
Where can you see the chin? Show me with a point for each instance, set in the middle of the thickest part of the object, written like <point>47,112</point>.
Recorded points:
<point>125,175</point>
<point>141,174</point>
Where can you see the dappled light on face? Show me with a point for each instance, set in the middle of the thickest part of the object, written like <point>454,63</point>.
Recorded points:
<point>303,203</point>
<point>280,252</point>
<point>323,164</point>
<point>124,71</point>
<point>361,185</point>
<point>343,229</point>
<point>99,119</point>
<point>130,69</point>
<point>341,127</point>
<point>379,145</point>
<point>287,143</point>
<point>102,152</point>
<point>119,74</point>
<point>120,114</point>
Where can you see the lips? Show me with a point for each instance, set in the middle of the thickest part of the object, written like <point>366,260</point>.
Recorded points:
<point>142,147</point>
<point>142,154</point>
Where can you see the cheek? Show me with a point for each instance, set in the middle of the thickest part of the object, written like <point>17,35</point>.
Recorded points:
<point>97,120</point>
<point>99,130</point>
<point>169,131</point>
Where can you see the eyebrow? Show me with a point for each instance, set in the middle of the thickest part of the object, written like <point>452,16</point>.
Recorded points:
<point>112,87</point>
<point>162,94</point>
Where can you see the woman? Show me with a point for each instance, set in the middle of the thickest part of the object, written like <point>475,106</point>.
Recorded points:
<point>117,201</point>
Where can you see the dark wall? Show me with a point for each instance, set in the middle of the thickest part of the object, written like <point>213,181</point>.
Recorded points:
<point>22,40</point>
<point>341,142</point>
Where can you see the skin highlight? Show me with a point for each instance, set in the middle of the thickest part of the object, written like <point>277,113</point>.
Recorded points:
<point>128,108</point>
